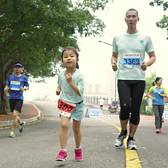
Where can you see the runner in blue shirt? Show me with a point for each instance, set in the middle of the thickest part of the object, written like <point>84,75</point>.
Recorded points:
<point>16,83</point>
<point>159,92</point>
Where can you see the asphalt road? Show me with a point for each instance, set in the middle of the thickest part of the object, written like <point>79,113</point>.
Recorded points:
<point>38,145</point>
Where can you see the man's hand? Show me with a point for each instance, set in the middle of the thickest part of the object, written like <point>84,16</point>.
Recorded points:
<point>153,98</point>
<point>6,89</point>
<point>68,77</point>
<point>21,89</point>
<point>114,66</point>
<point>58,91</point>
<point>143,66</point>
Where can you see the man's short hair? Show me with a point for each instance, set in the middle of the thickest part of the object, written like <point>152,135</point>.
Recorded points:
<point>132,9</point>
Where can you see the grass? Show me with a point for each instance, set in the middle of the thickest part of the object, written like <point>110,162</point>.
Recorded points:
<point>147,113</point>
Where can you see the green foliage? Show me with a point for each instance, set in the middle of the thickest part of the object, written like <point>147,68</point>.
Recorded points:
<point>35,31</point>
<point>143,108</point>
<point>143,105</point>
<point>148,85</point>
<point>163,23</point>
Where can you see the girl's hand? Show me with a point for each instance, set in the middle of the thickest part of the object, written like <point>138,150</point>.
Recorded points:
<point>159,93</point>
<point>58,91</point>
<point>153,98</point>
<point>68,77</point>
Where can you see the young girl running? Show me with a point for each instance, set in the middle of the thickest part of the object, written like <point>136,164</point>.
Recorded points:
<point>71,102</point>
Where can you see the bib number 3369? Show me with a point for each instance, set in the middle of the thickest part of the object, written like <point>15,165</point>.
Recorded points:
<point>65,108</point>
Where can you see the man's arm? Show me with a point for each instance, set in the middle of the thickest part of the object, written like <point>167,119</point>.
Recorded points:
<point>151,60</point>
<point>114,60</point>
<point>6,88</point>
<point>26,88</point>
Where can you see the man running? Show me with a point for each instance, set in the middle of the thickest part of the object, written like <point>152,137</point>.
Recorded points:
<point>16,83</point>
<point>129,52</point>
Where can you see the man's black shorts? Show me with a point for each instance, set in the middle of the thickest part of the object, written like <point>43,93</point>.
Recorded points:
<point>16,104</point>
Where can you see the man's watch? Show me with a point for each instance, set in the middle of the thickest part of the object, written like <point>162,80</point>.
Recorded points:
<point>25,89</point>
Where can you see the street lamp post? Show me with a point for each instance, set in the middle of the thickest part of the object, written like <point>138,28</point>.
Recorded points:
<point>115,71</point>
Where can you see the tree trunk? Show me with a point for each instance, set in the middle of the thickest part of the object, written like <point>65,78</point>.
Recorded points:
<point>3,103</point>
<point>3,94</point>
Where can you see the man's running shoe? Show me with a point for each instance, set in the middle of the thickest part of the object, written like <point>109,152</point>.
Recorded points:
<point>119,141</point>
<point>12,134</point>
<point>62,156</point>
<point>157,130</point>
<point>131,145</point>
<point>21,127</point>
<point>160,130</point>
<point>78,155</point>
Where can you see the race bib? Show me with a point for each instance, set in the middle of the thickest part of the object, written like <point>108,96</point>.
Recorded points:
<point>15,85</point>
<point>65,108</point>
<point>131,60</point>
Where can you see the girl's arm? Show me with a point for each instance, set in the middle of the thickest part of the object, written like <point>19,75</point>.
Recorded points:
<point>74,87</point>
<point>58,90</point>
<point>77,89</point>
<point>149,95</point>
<point>163,95</point>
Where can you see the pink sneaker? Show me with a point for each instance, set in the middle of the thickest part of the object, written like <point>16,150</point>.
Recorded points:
<point>62,156</point>
<point>160,130</point>
<point>78,155</point>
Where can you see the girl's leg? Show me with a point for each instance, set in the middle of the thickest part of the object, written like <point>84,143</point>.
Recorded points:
<point>77,133</point>
<point>161,109</point>
<point>157,118</point>
<point>64,131</point>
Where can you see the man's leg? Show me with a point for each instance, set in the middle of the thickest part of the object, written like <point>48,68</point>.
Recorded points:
<point>16,119</point>
<point>124,124</point>
<point>124,95</point>
<point>132,130</point>
<point>137,91</point>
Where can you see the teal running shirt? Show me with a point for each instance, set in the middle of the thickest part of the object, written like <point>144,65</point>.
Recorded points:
<point>67,93</point>
<point>131,50</point>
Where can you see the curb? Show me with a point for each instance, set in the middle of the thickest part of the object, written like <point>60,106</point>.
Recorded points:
<point>9,122</point>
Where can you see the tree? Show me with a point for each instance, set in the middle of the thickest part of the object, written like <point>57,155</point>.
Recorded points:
<point>163,23</point>
<point>34,31</point>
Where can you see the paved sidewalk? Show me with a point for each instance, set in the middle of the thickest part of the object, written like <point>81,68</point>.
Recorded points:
<point>29,113</point>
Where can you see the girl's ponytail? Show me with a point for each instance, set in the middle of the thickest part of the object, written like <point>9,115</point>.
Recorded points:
<point>153,84</point>
<point>77,65</point>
